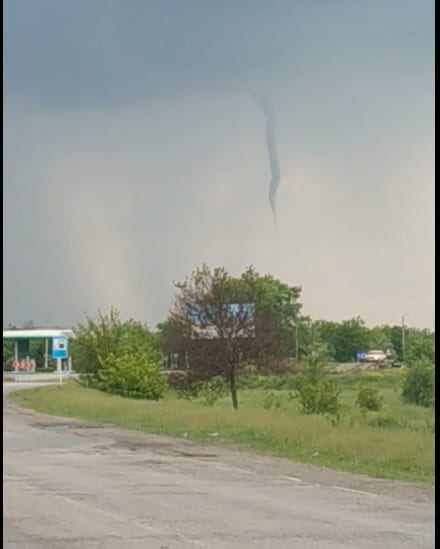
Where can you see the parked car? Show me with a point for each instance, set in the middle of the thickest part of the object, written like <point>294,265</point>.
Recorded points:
<point>375,356</point>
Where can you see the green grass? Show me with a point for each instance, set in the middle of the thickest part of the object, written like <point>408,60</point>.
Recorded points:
<point>397,442</point>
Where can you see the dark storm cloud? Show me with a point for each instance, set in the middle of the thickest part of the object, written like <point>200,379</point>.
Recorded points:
<point>133,152</point>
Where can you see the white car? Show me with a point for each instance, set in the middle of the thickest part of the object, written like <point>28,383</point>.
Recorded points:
<point>375,356</point>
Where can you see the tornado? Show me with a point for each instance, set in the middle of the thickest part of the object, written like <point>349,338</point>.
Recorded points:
<point>269,113</point>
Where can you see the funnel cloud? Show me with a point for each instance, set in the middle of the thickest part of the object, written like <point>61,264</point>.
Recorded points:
<point>269,112</point>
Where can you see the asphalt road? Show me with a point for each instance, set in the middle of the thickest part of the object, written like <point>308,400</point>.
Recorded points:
<point>70,484</point>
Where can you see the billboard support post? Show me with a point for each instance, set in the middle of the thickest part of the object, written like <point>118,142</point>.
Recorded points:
<point>60,370</point>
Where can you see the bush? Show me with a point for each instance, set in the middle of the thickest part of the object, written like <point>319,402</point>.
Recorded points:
<point>132,374</point>
<point>107,336</point>
<point>213,390</point>
<point>251,381</point>
<point>419,383</point>
<point>267,382</point>
<point>317,391</point>
<point>184,385</point>
<point>319,398</point>
<point>369,399</point>
<point>118,357</point>
<point>93,343</point>
<point>272,400</point>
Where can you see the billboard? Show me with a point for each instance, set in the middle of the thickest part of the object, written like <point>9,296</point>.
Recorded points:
<point>223,321</point>
<point>59,347</point>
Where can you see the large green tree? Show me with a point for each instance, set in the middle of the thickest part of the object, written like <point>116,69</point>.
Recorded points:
<point>343,339</point>
<point>380,337</point>
<point>262,334</point>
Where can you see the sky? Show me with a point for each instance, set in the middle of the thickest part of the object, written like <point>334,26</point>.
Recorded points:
<point>134,150</point>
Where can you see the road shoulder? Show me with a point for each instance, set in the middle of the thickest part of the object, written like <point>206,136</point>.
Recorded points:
<point>275,468</point>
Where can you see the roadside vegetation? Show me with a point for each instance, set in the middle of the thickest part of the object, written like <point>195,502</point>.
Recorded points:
<point>395,442</point>
<point>265,381</point>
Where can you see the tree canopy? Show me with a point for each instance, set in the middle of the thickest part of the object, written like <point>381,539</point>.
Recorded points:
<point>251,318</point>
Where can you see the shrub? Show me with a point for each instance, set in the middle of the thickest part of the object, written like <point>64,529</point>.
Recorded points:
<point>132,374</point>
<point>419,383</point>
<point>319,398</point>
<point>104,344</point>
<point>184,385</point>
<point>94,341</point>
<point>272,400</point>
<point>369,398</point>
<point>317,391</point>
<point>212,390</point>
<point>268,382</point>
<point>251,381</point>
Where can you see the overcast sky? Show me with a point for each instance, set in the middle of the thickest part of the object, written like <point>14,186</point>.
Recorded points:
<point>134,150</point>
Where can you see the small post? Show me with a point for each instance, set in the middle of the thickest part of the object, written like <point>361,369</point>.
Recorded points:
<point>60,370</point>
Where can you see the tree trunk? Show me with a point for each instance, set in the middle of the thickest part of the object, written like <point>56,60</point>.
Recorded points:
<point>233,387</point>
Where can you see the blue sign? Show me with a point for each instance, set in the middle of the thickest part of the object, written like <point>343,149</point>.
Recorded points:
<point>236,319</point>
<point>59,347</point>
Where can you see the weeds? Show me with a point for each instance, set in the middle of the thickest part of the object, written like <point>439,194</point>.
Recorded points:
<point>396,442</point>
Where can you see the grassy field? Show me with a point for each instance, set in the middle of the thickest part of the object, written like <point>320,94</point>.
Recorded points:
<point>397,442</point>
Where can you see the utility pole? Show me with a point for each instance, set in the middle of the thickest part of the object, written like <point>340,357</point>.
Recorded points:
<point>403,338</point>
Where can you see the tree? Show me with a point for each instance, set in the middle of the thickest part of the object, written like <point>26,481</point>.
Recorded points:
<point>343,339</point>
<point>394,334</point>
<point>118,357</point>
<point>351,337</point>
<point>311,336</point>
<point>171,340</point>
<point>250,318</point>
<point>94,341</point>
<point>380,338</point>
<point>8,351</point>
<point>420,346</point>
<point>326,332</point>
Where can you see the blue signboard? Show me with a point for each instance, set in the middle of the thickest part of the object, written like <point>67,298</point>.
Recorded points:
<point>236,319</point>
<point>59,347</point>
